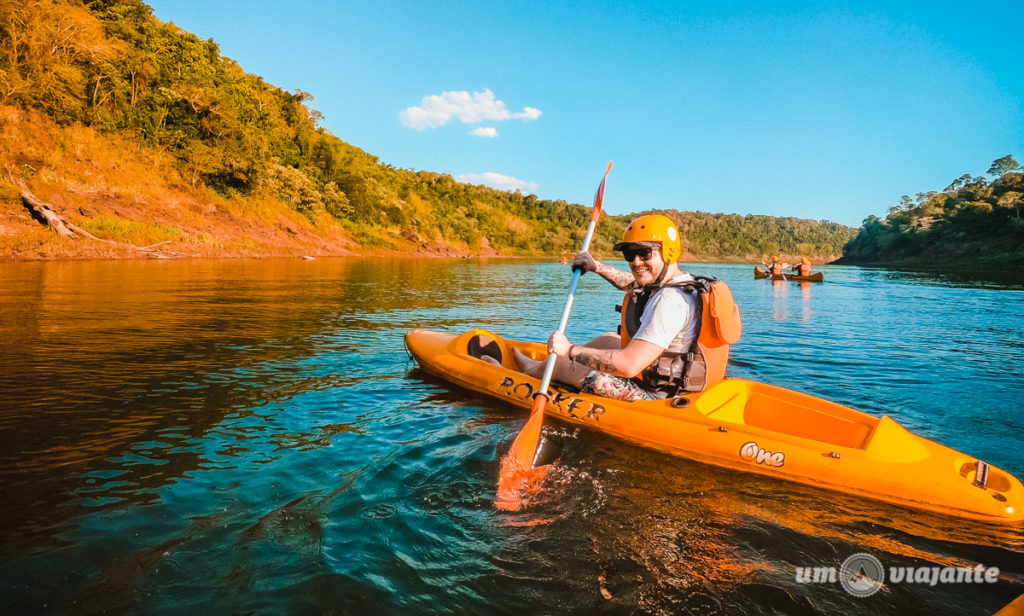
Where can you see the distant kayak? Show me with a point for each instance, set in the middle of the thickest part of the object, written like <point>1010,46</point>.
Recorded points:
<point>751,427</point>
<point>760,272</point>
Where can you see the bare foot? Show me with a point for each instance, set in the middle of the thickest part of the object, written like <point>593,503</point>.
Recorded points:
<point>490,360</point>
<point>533,367</point>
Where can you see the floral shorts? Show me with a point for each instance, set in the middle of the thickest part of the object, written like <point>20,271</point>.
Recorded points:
<point>618,387</point>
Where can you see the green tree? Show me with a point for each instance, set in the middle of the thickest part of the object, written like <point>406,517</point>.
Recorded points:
<point>1002,166</point>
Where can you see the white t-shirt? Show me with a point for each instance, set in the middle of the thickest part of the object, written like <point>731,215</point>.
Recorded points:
<point>671,311</point>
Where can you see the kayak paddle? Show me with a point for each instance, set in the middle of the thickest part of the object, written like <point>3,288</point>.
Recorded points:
<point>517,467</point>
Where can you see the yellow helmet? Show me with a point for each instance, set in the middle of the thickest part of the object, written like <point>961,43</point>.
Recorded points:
<point>806,260</point>
<point>654,228</point>
<point>777,258</point>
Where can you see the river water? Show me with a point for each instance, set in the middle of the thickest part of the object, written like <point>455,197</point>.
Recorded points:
<point>250,437</point>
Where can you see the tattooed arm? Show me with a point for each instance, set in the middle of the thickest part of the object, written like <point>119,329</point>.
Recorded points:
<point>621,280</point>
<point>629,361</point>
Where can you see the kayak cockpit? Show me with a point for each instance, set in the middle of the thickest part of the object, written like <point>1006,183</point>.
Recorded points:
<point>783,411</point>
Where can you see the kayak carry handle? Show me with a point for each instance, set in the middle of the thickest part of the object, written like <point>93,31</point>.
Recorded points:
<point>981,475</point>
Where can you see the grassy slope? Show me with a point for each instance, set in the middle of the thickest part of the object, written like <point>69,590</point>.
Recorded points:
<point>119,190</point>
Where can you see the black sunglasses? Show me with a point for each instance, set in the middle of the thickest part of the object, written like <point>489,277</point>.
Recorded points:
<point>630,253</point>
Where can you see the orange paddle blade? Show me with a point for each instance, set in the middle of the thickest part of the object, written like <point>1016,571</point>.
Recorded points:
<point>517,473</point>
<point>516,482</point>
<point>595,212</point>
<point>524,448</point>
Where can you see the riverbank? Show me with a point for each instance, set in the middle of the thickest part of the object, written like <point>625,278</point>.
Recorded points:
<point>108,221</point>
<point>26,240</point>
<point>1013,260</point>
<point>118,212</point>
<point>119,220</point>
<point>128,200</point>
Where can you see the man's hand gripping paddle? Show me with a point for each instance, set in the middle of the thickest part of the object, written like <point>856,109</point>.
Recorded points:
<point>518,473</point>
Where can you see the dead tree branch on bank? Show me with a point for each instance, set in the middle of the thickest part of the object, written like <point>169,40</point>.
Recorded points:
<point>44,213</point>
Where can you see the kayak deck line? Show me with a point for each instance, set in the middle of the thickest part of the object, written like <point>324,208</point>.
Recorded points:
<point>755,428</point>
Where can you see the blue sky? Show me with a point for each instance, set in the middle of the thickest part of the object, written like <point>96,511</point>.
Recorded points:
<point>817,110</point>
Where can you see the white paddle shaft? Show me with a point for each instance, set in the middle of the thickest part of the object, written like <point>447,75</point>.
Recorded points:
<point>549,367</point>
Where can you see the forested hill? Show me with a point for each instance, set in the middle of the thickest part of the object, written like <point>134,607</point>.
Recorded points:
<point>130,132</point>
<point>972,221</point>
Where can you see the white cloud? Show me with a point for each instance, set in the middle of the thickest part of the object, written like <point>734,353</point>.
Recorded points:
<point>471,108</point>
<point>484,131</point>
<point>501,182</point>
<point>529,113</point>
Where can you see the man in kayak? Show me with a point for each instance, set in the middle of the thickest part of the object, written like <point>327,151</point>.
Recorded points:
<point>777,267</point>
<point>669,320</point>
<point>803,268</point>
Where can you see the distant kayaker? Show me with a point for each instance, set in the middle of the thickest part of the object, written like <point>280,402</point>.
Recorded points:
<point>803,268</point>
<point>776,267</point>
<point>655,358</point>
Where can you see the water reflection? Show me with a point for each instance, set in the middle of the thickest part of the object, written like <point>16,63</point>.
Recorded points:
<point>781,289</point>
<point>996,277</point>
<point>122,368</point>
<point>781,300</point>
<point>805,295</point>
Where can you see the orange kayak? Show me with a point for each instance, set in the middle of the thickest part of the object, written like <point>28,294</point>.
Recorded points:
<point>760,272</point>
<point>756,428</point>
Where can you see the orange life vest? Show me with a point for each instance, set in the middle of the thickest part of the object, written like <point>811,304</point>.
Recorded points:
<point>805,269</point>
<point>776,268</point>
<point>679,370</point>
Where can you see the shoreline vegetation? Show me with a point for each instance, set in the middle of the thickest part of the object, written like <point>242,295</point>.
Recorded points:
<point>971,222</point>
<point>143,141</point>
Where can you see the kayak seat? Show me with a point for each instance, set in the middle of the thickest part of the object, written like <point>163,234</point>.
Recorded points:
<point>482,345</point>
